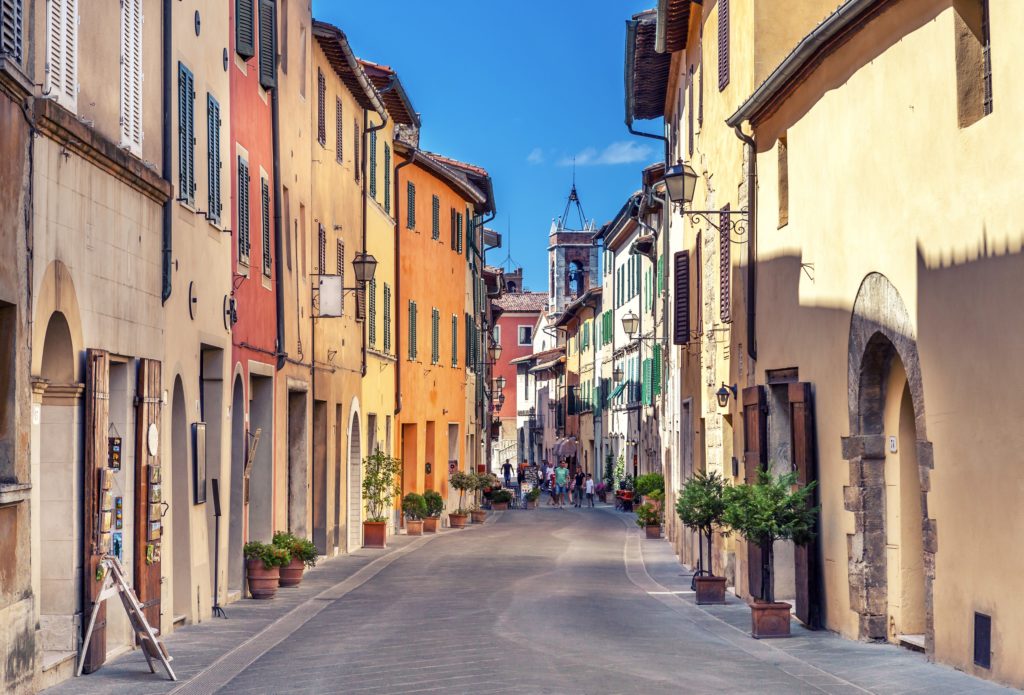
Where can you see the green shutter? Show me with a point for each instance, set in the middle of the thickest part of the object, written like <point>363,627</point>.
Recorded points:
<point>12,29</point>
<point>458,229</point>
<point>435,229</point>
<point>410,190</point>
<point>656,370</point>
<point>387,178</point>
<point>661,274</point>
<point>373,312</point>
<point>373,164</point>
<point>455,340</point>
<point>387,318</point>
<point>435,327</point>
<point>412,330</point>
<point>186,136</point>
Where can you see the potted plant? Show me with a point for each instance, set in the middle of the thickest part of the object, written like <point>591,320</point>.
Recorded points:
<point>435,505</point>
<point>415,509</point>
<point>500,499</point>
<point>483,481</point>
<point>602,492</point>
<point>531,498</point>
<point>303,554</point>
<point>263,562</point>
<point>461,482</point>
<point>649,519</point>
<point>774,508</point>
<point>648,484</point>
<point>380,487</point>
<point>701,506</point>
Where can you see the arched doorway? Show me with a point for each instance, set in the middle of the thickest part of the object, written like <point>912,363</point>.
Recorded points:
<point>355,486</point>
<point>181,505</point>
<point>61,491</point>
<point>893,545</point>
<point>237,503</point>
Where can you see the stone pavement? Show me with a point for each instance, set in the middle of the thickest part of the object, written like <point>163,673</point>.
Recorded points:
<point>541,601</point>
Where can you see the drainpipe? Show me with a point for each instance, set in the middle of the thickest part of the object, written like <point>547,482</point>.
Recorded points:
<point>751,241</point>
<point>666,212</point>
<point>398,286</point>
<point>282,352</point>
<point>166,165</point>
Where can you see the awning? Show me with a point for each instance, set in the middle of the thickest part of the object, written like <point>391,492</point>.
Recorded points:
<point>548,365</point>
<point>565,447</point>
<point>618,390</point>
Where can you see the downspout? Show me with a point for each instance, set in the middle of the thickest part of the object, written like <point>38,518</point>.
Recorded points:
<point>275,113</point>
<point>398,286</point>
<point>751,241</point>
<point>166,165</point>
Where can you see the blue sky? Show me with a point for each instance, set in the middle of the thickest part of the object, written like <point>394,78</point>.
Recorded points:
<point>519,88</point>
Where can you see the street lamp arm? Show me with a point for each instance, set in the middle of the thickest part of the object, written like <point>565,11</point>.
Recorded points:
<point>735,226</point>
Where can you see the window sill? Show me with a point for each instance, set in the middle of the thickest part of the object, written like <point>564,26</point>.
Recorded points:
<point>13,493</point>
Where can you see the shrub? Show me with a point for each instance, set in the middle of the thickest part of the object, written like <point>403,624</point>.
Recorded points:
<point>434,502</point>
<point>462,482</point>
<point>380,483</point>
<point>301,548</point>
<point>647,515</point>
<point>271,555</point>
<point>649,482</point>
<point>414,506</point>
<point>501,496</point>
<point>534,494</point>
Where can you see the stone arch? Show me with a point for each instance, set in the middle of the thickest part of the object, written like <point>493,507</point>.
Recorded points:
<point>881,331</point>
<point>56,295</point>
<point>354,460</point>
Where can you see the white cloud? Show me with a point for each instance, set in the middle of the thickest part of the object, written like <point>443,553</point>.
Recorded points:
<point>536,156</point>
<point>623,152</point>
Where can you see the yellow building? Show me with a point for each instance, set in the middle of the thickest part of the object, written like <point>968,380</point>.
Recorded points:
<point>889,284</point>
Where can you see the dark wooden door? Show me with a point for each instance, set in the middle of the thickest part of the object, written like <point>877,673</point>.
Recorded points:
<point>805,463</point>
<point>96,538</point>
<point>755,459</point>
<point>148,487</point>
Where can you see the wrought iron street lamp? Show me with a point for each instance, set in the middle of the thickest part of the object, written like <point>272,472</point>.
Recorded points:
<point>500,383</point>
<point>617,373</point>
<point>365,266</point>
<point>680,182</point>
<point>630,324</point>
<point>723,394</point>
<point>494,351</point>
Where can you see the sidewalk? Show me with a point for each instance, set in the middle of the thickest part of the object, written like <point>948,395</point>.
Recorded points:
<point>822,658</point>
<point>249,630</point>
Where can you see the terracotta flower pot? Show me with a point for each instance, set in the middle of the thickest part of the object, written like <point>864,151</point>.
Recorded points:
<point>479,516</point>
<point>291,574</point>
<point>710,590</point>
<point>375,534</point>
<point>653,531</point>
<point>499,506</point>
<point>458,520</point>
<point>414,527</point>
<point>769,619</point>
<point>531,504</point>
<point>263,582</point>
<point>430,524</point>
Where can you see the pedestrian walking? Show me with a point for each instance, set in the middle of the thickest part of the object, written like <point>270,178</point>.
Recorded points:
<point>553,487</point>
<point>577,488</point>
<point>589,487</point>
<point>521,473</point>
<point>506,470</point>
<point>561,483</point>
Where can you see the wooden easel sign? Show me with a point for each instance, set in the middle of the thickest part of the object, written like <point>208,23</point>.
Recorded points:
<point>116,584</point>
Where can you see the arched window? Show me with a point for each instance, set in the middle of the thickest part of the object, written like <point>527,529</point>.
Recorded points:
<point>574,278</point>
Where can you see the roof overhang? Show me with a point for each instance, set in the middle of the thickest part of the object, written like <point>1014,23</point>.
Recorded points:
<point>335,46</point>
<point>646,70</point>
<point>572,310</point>
<point>673,25</point>
<point>550,364</point>
<point>623,223</point>
<point>441,170</point>
<point>393,93</point>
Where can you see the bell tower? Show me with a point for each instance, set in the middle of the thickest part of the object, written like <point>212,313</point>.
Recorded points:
<point>572,255</point>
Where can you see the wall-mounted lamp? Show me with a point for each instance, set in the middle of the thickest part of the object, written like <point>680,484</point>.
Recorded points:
<point>617,373</point>
<point>723,394</point>
<point>630,324</point>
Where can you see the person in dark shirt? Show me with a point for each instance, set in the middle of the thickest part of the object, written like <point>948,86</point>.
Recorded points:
<point>577,488</point>
<point>506,470</point>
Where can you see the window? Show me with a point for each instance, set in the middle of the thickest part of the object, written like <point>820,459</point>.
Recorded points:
<point>321,254</point>
<point>213,201</point>
<point>435,342</point>
<point>454,239</point>
<point>455,340</point>
<point>372,328</point>
<point>681,297</point>
<point>245,26</point>
<point>723,44</point>
<point>321,107</point>
<point>339,151</point>
<point>412,330</point>
<point>973,61</point>
<point>724,266</point>
<point>265,210</point>
<point>373,164</point>
<point>357,164</point>
<point>268,45</point>
<point>435,228</point>
<point>340,252</point>
<point>526,335</point>
<point>186,136</point>
<point>12,29</point>
<point>783,181</point>
<point>387,178</point>
<point>410,205</point>
<point>458,228</point>
<point>131,70</point>
<point>387,318</point>
<point>243,211</point>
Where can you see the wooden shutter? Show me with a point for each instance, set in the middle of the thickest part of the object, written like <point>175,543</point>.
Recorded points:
<point>268,45</point>
<point>357,164</point>
<point>131,75</point>
<point>458,228</point>
<point>373,164</point>
<point>689,113</point>
<point>213,159</point>
<point>805,463</point>
<point>387,318</point>
<point>12,29</point>
<point>321,107</point>
<point>410,205</point>
<point>723,44</point>
<point>361,302</point>
<point>186,136</point>
<point>95,542</point>
<point>62,51</point>
<point>681,298</point>
<point>435,340</point>
<point>245,26</point>
<point>387,178</point>
<point>724,266</point>
<point>148,480</point>
<point>340,252</point>
<point>755,460</point>
<point>373,312</point>
<point>412,330</point>
<point>265,211</point>
<point>321,251</point>
<point>338,134</point>
<point>699,282</point>
<point>454,243</point>
<point>435,229</point>
<point>455,340</point>
<point>243,210</point>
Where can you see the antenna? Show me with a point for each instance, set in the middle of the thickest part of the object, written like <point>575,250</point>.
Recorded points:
<point>509,264</point>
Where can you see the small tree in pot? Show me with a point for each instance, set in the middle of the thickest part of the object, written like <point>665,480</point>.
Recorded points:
<point>461,482</point>
<point>648,517</point>
<point>435,505</point>
<point>773,509</point>
<point>484,484</point>
<point>380,487</point>
<point>500,499</point>
<point>264,561</point>
<point>415,508</point>
<point>701,507</point>
<point>302,552</point>
<point>648,484</point>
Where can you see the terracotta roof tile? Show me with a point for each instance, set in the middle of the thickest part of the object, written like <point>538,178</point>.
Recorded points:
<point>522,301</point>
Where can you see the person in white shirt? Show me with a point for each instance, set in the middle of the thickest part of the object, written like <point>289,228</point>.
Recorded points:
<point>589,487</point>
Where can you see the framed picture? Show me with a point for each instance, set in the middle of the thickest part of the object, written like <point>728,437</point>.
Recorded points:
<point>198,462</point>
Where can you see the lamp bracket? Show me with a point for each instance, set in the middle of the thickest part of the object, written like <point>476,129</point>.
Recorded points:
<point>736,226</point>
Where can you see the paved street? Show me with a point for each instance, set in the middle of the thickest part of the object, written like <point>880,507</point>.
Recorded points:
<point>547,601</point>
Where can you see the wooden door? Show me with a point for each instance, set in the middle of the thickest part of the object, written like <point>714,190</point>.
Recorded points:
<point>148,491</point>
<point>755,459</point>
<point>807,574</point>
<point>96,540</point>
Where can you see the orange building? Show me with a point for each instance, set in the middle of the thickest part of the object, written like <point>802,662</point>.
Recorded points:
<point>436,206</point>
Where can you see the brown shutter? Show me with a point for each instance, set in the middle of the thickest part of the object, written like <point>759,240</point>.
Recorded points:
<point>724,266</point>
<point>148,482</point>
<point>321,107</point>
<point>808,569</point>
<point>97,404</point>
<point>681,330</point>
<point>755,459</point>
<point>723,44</point>
<point>699,273</point>
<point>689,113</point>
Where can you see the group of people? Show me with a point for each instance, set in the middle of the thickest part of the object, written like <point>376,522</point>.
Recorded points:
<point>561,485</point>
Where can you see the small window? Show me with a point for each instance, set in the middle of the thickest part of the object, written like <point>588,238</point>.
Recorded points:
<point>973,61</point>
<point>783,181</point>
<point>526,335</point>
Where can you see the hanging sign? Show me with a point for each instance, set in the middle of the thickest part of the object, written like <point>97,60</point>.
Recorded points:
<point>114,453</point>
